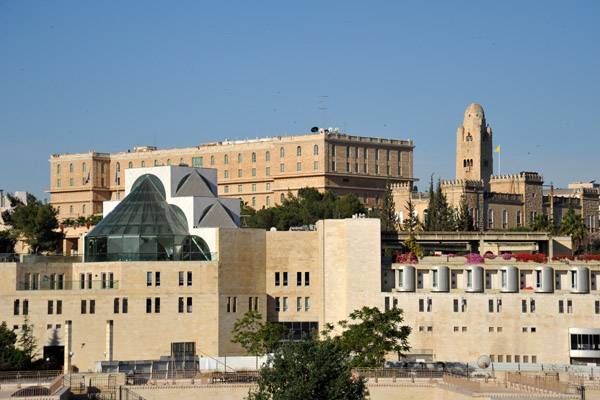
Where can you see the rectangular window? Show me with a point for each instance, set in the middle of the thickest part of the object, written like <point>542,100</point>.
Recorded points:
<point>387,170</point>
<point>157,305</point>
<point>125,305</point>
<point>148,278</point>
<point>17,306</point>
<point>157,278</point>
<point>83,306</point>
<point>58,307</point>
<point>596,307</point>
<point>299,166</point>
<point>523,306</point>
<point>189,278</point>
<point>277,304</point>
<point>148,305</point>
<point>104,280</point>
<point>429,304</point>
<point>239,173</point>
<point>102,182</point>
<point>180,278</point>
<point>332,153</point>
<point>376,169</point>
<point>316,165</point>
<point>332,166</point>
<point>234,304</point>
<point>399,170</point>
<point>268,171</point>
<point>491,305</point>
<point>561,307</point>
<point>180,305</point>
<point>253,171</point>
<point>277,280</point>
<point>281,167</point>
<point>285,279</point>
<point>239,188</point>
<point>50,307</point>
<point>307,279</point>
<point>226,174</point>
<point>356,167</point>
<point>58,183</point>
<point>25,307</point>
<point>89,281</point>
<point>517,359</point>
<point>285,304</point>
<point>197,161</point>
<point>569,307</point>
<point>464,305</point>
<point>531,305</point>
<point>298,304</point>
<point>92,306</point>
<point>299,279</point>
<point>455,305</point>
<point>116,306</point>
<point>499,305</point>
<point>421,305</point>
<point>307,304</point>
<point>189,305</point>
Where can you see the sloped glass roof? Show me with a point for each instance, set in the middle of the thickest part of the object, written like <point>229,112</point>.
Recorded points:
<point>144,227</point>
<point>144,211</point>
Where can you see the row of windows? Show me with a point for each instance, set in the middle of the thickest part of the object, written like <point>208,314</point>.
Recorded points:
<point>268,170</point>
<point>509,358</point>
<point>365,170</point>
<point>84,181</point>
<point>72,209</point>
<point>284,282</point>
<point>357,152</point>
<point>279,301</point>
<point>460,305</point>
<point>199,161</point>
<point>153,279</point>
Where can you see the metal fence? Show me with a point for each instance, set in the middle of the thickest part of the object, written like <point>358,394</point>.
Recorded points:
<point>128,394</point>
<point>538,383</point>
<point>461,382</point>
<point>28,377</point>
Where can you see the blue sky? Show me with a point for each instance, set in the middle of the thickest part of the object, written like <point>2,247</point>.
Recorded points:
<point>110,75</point>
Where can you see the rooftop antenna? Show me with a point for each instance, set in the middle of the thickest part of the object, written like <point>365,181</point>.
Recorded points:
<point>323,107</point>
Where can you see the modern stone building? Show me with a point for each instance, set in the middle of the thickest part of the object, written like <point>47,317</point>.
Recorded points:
<point>499,202</point>
<point>168,271</point>
<point>260,172</point>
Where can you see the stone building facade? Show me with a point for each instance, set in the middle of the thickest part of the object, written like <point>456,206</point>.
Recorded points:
<point>260,172</point>
<point>499,202</point>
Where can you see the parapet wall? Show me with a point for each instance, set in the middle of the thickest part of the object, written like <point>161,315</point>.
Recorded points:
<point>527,176</point>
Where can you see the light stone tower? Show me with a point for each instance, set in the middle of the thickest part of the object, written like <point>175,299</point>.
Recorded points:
<point>474,159</point>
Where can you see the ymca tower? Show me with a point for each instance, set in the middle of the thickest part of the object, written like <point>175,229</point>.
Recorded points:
<point>474,147</point>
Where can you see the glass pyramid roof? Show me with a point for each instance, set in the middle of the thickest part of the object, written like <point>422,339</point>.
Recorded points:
<point>144,211</point>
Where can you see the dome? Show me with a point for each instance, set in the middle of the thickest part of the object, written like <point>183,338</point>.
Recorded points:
<point>474,111</point>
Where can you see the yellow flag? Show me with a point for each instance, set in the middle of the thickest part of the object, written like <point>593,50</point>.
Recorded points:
<point>497,150</point>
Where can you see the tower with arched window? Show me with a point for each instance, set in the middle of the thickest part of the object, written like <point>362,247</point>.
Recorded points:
<point>474,147</point>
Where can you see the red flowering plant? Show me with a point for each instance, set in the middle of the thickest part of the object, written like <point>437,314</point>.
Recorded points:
<point>537,258</point>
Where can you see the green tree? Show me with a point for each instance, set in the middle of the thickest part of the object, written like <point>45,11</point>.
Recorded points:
<point>541,223</point>
<point>7,242</point>
<point>411,221</point>
<point>35,222</point>
<point>309,369</point>
<point>256,337</point>
<point>573,225</point>
<point>388,210</point>
<point>465,220</point>
<point>27,341</point>
<point>432,206</point>
<point>8,351</point>
<point>440,215</point>
<point>371,334</point>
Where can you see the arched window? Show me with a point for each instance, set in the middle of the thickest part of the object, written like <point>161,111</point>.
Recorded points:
<point>181,161</point>
<point>212,160</point>
<point>118,167</point>
<point>169,161</point>
<point>519,222</point>
<point>70,167</point>
<point>130,164</point>
<point>58,210</point>
<point>84,208</point>
<point>226,159</point>
<point>268,156</point>
<point>298,151</point>
<point>268,201</point>
<point>239,158</point>
<point>254,202</point>
<point>156,163</point>
<point>71,210</point>
<point>143,164</point>
<point>469,138</point>
<point>490,219</point>
<point>282,197</point>
<point>58,169</point>
<point>253,157</point>
<point>504,219</point>
<point>316,150</point>
<point>282,152</point>
<point>84,167</point>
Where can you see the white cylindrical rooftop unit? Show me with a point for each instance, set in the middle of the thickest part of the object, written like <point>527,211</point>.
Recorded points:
<point>405,278</point>
<point>439,281</point>
<point>543,280</point>
<point>509,279</point>
<point>474,279</point>
<point>580,279</point>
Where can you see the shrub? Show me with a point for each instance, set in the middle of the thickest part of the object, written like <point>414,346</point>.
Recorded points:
<point>474,258</point>
<point>524,257</point>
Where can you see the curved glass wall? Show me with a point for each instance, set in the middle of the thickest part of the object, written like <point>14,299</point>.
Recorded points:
<point>144,227</point>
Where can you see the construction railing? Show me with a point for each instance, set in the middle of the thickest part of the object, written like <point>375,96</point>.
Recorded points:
<point>28,377</point>
<point>462,382</point>
<point>536,383</point>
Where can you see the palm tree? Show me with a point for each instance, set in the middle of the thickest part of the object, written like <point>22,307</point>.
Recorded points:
<point>573,225</point>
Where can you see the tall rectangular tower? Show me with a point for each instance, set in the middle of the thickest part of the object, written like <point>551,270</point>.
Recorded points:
<point>474,159</point>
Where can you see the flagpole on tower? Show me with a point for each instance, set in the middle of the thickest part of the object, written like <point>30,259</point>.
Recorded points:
<point>497,150</point>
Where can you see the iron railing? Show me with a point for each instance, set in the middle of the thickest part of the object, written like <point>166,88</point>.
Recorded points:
<point>28,377</point>
<point>128,394</point>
